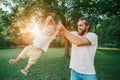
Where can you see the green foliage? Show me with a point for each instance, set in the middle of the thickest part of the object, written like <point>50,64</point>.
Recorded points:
<point>4,39</point>
<point>7,18</point>
<point>5,21</point>
<point>109,32</point>
<point>100,12</point>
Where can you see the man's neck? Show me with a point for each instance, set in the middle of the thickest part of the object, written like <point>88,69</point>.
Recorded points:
<point>84,34</point>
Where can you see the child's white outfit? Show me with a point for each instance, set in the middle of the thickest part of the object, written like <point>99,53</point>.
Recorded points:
<point>41,43</point>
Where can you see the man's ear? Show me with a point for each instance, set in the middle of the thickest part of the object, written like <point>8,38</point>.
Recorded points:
<point>88,27</point>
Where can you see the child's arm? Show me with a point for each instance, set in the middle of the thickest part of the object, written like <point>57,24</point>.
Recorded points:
<point>57,32</point>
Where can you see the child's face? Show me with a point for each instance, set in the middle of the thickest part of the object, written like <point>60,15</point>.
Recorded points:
<point>50,30</point>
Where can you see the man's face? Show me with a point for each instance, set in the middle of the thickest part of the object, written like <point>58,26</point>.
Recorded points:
<point>82,28</point>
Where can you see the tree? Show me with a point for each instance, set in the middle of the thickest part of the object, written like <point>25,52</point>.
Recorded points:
<point>5,21</point>
<point>101,13</point>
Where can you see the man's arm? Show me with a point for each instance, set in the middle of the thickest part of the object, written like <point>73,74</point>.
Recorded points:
<point>72,38</point>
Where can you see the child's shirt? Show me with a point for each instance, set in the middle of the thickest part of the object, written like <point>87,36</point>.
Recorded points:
<point>43,41</point>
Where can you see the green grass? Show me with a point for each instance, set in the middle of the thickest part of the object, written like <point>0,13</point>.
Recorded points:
<point>51,66</point>
<point>107,64</point>
<point>54,66</point>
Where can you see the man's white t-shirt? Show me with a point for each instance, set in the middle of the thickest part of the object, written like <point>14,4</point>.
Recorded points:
<point>82,58</point>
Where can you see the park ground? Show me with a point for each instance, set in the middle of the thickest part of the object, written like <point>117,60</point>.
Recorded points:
<point>54,66</point>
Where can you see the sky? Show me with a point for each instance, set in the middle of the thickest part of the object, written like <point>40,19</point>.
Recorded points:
<point>7,8</point>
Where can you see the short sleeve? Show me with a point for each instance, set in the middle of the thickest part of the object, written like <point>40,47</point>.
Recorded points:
<point>92,37</point>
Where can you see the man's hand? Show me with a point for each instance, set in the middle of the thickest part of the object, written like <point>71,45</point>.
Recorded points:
<point>62,29</point>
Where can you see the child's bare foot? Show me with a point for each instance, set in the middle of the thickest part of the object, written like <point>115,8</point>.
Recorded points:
<point>12,61</point>
<point>24,72</point>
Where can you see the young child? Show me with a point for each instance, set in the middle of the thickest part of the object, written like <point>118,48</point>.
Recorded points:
<point>40,44</point>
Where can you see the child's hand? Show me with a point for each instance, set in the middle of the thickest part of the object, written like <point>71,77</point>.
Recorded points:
<point>48,19</point>
<point>61,28</point>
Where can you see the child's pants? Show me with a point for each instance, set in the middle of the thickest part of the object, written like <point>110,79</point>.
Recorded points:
<point>31,52</point>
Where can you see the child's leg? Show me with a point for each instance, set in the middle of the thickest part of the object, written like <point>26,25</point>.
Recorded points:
<point>28,66</point>
<point>22,55</point>
<point>34,55</point>
<point>25,70</point>
<point>14,61</point>
<point>18,59</point>
<point>33,58</point>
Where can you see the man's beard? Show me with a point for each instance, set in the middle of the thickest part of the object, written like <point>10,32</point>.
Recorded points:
<point>82,33</point>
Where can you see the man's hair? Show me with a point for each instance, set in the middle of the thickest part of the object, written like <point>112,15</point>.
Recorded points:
<point>87,21</point>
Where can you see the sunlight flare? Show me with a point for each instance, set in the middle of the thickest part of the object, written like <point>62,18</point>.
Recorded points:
<point>30,29</point>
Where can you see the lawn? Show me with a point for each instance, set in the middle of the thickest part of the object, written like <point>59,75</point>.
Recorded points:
<point>54,66</point>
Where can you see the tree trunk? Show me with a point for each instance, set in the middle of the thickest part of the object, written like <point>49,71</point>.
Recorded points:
<point>66,53</point>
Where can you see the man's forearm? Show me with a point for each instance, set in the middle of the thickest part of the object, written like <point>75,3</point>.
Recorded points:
<point>72,38</point>
<point>75,40</point>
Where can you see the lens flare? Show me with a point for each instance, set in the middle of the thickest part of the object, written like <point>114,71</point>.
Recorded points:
<point>29,30</point>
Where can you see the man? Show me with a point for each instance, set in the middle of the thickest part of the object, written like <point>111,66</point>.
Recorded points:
<point>84,45</point>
